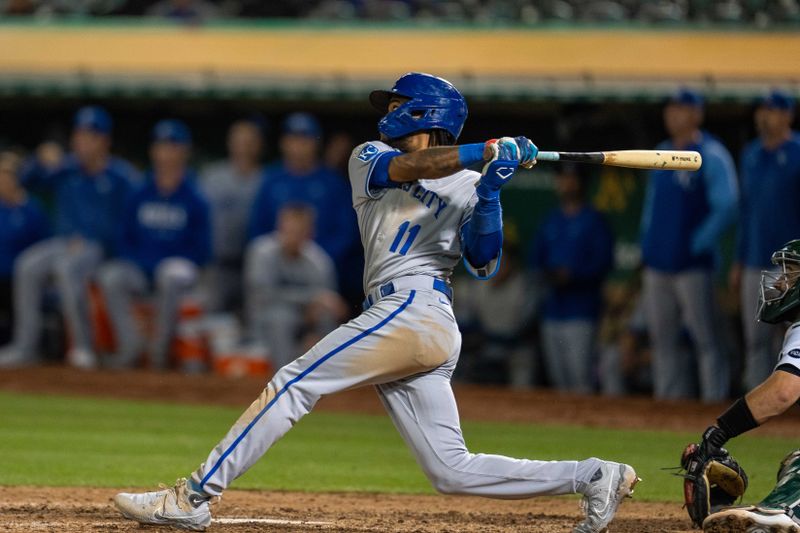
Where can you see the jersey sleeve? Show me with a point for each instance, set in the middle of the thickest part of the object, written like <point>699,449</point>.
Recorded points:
<point>789,358</point>
<point>365,161</point>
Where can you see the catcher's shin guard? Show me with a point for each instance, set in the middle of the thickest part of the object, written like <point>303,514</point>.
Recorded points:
<point>786,494</point>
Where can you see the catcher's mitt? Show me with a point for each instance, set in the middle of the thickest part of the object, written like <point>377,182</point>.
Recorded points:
<point>712,480</point>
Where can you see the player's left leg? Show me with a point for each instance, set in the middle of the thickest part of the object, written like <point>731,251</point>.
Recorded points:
<point>424,411</point>
<point>73,271</point>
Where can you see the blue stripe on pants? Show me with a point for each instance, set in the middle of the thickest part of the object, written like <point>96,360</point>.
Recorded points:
<point>306,372</point>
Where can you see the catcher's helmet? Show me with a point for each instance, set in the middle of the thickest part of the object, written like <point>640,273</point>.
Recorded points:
<point>780,291</point>
<point>433,104</point>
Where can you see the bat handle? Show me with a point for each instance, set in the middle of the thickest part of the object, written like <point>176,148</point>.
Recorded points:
<point>548,156</point>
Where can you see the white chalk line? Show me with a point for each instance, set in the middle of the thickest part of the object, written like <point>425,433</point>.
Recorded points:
<point>270,521</point>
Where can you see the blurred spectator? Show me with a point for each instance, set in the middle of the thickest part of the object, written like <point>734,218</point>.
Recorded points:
<point>290,287</point>
<point>90,187</point>
<point>165,238</point>
<point>770,185</point>
<point>22,223</point>
<point>573,254</point>
<point>625,359</point>
<point>184,11</point>
<point>684,216</point>
<point>337,151</point>
<point>494,316</point>
<point>230,186</point>
<point>301,178</point>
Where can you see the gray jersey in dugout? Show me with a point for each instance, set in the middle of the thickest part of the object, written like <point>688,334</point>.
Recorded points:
<point>414,229</point>
<point>231,198</point>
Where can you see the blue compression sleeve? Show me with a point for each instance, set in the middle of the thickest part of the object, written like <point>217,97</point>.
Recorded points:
<point>483,233</point>
<point>469,154</point>
<point>379,173</point>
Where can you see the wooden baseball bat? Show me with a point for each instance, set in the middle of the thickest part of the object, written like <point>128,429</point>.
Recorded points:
<point>650,159</point>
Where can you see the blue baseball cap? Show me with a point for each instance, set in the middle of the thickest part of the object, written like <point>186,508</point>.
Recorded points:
<point>686,96</point>
<point>173,131</point>
<point>93,118</point>
<point>302,124</point>
<point>777,99</point>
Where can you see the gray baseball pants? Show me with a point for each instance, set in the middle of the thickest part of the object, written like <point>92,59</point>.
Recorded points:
<point>71,262</point>
<point>407,345</point>
<point>569,353</point>
<point>759,337</point>
<point>121,281</point>
<point>672,301</point>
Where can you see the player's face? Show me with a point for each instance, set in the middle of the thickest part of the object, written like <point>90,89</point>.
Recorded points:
<point>680,119</point>
<point>169,158</point>
<point>568,186</point>
<point>770,121</point>
<point>299,148</point>
<point>295,228</point>
<point>791,272</point>
<point>244,141</point>
<point>89,144</point>
<point>8,183</point>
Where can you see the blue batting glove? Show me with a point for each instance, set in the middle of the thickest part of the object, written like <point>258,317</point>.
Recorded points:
<point>527,151</point>
<point>496,173</point>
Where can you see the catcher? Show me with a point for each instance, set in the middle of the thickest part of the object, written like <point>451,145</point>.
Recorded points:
<point>713,480</point>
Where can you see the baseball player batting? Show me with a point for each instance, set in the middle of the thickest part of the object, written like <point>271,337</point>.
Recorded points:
<point>419,211</point>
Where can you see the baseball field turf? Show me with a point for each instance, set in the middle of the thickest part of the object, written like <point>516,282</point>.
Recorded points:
<point>73,441</point>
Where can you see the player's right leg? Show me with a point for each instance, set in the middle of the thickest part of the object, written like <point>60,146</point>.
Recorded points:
<point>393,339</point>
<point>662,313</point>
<point>779,512</point>
<point>695,290</point>
<point>31,272</point>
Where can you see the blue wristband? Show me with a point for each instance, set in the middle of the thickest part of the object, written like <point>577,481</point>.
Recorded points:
<point>469,154</point>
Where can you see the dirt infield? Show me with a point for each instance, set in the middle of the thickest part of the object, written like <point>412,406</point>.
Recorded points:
<point>90,510</point>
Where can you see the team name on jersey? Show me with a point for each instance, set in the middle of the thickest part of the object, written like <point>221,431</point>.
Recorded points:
<point>157,215</point>
<point>428,198</point>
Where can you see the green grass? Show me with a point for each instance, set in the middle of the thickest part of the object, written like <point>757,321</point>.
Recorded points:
<point>64,441</point>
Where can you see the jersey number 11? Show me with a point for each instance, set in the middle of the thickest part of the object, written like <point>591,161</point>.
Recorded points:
<point>401,231</point>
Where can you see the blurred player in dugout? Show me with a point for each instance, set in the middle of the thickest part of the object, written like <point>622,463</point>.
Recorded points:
<point>231,186</point>
<point>684,216</point>
<point>88,187</point>
<point>573,253</point>
<point>290,287</point>
<point>300,177</point>
<point>770,186</point>
<point>23,222</point>
<point>165,239</point>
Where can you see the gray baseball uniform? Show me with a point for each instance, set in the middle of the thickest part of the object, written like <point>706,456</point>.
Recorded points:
<point>406,343</point>
<point>277,291</point>
<point>230,196</point>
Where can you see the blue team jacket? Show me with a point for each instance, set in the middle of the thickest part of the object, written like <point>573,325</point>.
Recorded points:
<point>155,226</point>
<point>770,186</point>
<point>336,229</point>
<point>583,244</point>
<point>685,213</point>
<point>88,206</point>
<point>20,226</point>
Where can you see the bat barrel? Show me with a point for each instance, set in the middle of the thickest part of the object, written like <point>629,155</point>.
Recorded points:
<point>645,159</point>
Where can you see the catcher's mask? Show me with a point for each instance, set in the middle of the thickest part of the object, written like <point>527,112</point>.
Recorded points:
<point>779,299</point>
<point>433,104</point>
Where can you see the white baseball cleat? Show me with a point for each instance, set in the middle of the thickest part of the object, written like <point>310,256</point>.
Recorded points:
<point>611,483</point>
<point>175,506</point>
<point>750,520</point>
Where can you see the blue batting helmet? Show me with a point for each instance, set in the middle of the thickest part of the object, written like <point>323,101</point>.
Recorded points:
<point>433,104</point>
